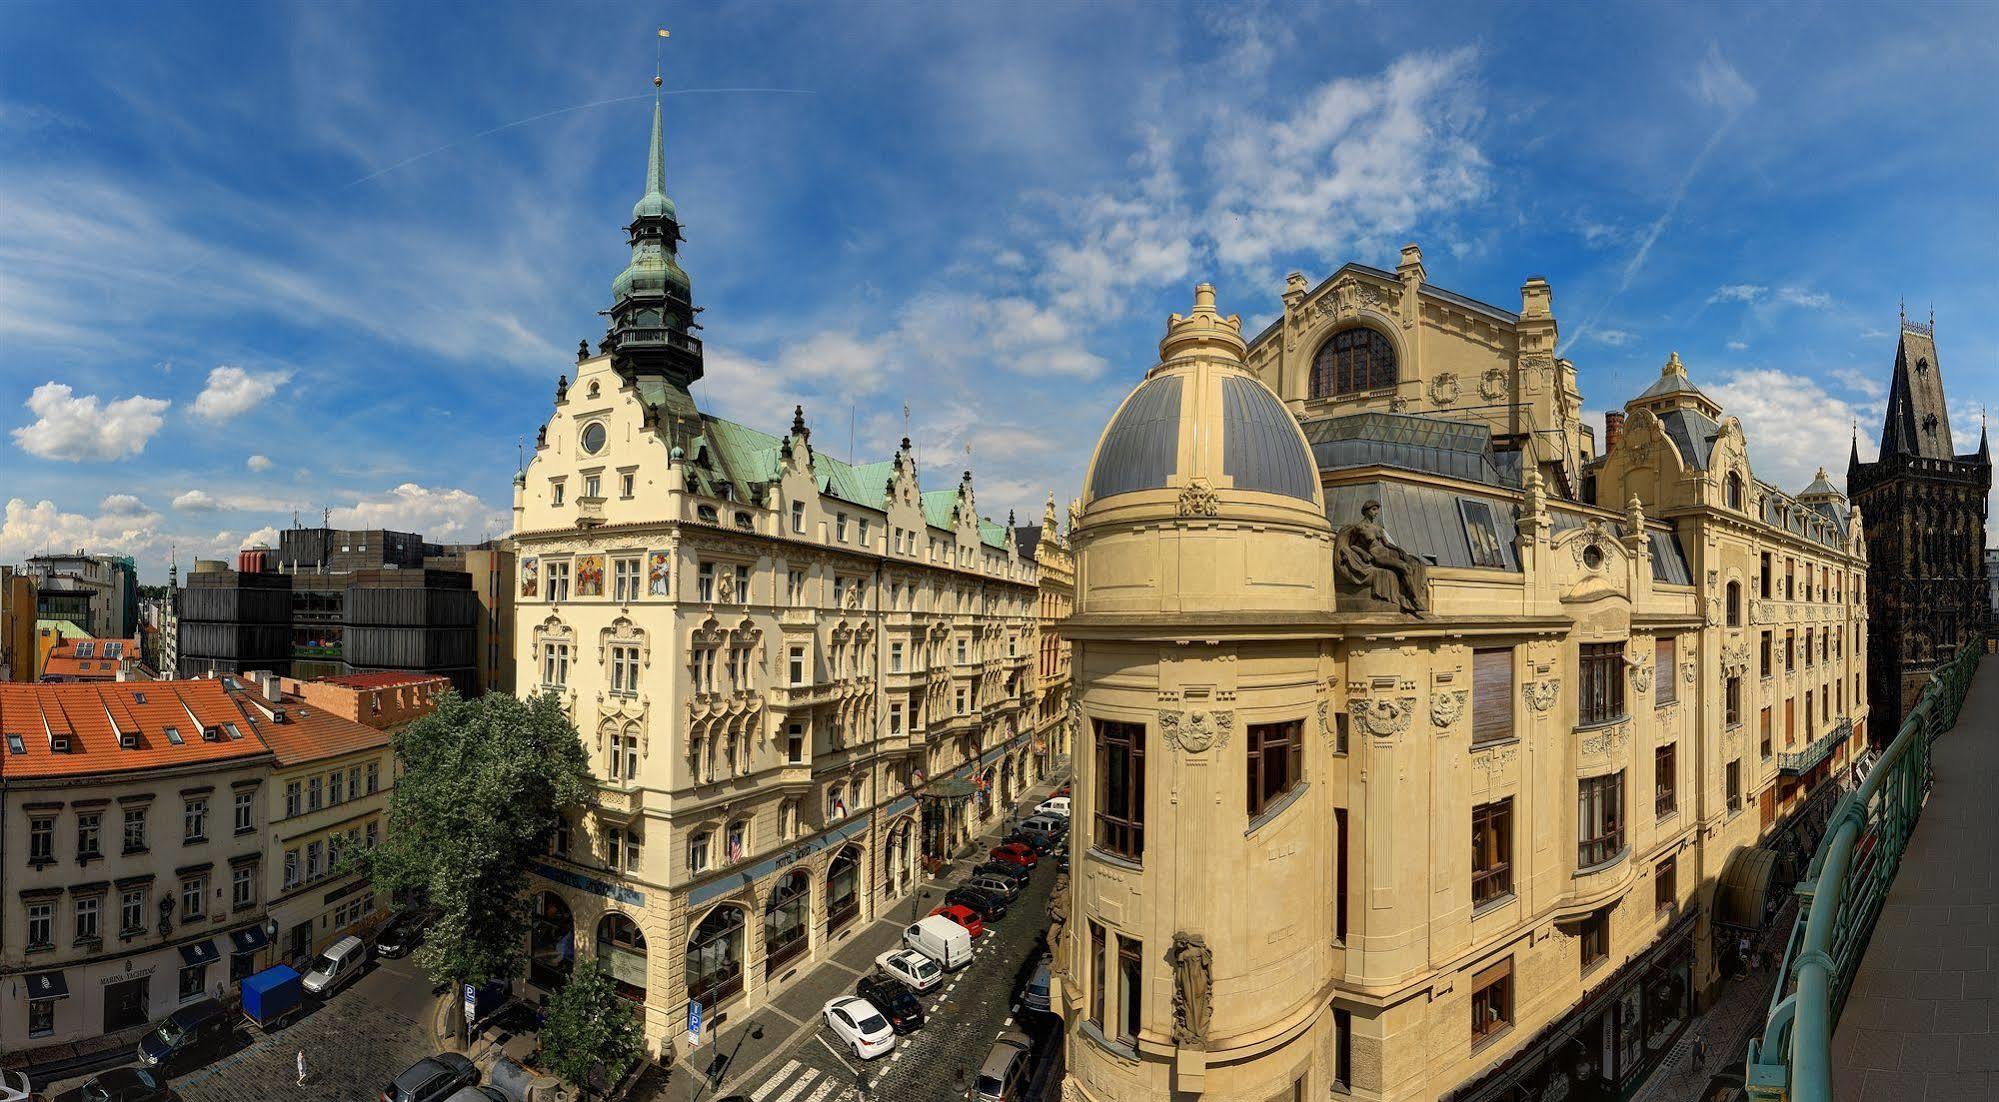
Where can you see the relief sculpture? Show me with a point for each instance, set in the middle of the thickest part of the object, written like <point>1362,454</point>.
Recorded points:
<point>1374,574</point>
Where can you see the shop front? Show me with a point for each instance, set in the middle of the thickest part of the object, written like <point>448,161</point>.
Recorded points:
<point>1603,1050</point>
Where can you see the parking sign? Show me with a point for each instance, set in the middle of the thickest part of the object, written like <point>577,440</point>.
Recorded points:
<point>693,1024</point>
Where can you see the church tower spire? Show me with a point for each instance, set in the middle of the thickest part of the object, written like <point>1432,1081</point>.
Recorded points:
<point>652,304</point>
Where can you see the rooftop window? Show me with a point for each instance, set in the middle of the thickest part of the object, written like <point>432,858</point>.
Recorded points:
<point>173,735</point>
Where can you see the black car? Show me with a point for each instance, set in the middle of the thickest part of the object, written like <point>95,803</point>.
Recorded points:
<point>1038,841</point>
<point>190,1036</point>
<point>894,999</point>
<point>1007,869</point>
<point>400,934</point>
<point>431,1078</point>
<point>990,908</point>
<point>127,1085</point>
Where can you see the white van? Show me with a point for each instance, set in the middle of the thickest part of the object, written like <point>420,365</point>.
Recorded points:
<point>940,939</point>
<point>338,966</point>
<point>1054,805</point>
<point>1046,823</point>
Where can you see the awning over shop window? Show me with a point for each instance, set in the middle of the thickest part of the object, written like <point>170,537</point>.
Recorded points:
<point>201,952</point>
<point>1742,898</point>
<point>47,985</point>
<point>249,939</point>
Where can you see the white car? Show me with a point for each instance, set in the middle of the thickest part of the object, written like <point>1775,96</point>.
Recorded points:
<point>911,967</point>
<point>14,1088</point>
<point>858,1023</point>
<point>1058,805</point>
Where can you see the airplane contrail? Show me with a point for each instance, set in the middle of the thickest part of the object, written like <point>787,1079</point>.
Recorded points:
<point>562,111</point>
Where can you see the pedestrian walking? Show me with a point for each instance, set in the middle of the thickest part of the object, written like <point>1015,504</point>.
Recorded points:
<point>301,1067</point>
<point>1700,1052</point>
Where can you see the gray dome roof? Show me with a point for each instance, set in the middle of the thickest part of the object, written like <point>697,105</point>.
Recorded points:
<point>1262,449</point>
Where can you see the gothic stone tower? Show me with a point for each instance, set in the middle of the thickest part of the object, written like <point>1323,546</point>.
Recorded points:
<point>1925,518</point>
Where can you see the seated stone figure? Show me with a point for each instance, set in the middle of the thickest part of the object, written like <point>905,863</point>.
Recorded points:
<point>1372,573</point>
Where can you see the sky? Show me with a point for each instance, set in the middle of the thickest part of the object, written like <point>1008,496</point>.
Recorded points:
<point>259,260</point>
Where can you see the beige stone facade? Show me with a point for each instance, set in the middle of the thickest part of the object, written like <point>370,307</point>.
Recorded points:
<point>1053,726</point>
<point>1296,709</point>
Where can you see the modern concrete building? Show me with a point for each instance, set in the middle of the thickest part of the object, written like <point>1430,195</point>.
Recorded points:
<point>1358,590</point>
<point>796,677</point>
<point>98,593</point>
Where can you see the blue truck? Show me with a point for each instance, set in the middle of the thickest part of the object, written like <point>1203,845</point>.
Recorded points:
<point>271,996</point>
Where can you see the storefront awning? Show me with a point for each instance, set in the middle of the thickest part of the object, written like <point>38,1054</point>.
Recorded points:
<point>950,788</point>
<point>201,952</point>
<point>249,939</point>
<point>1742,897</point>
<point>47,985</point>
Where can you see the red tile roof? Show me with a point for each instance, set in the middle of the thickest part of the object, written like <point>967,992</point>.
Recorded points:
<point>85,658</point>
<point>380,679</point>
<point>92,716</point>
<point>309,732</point>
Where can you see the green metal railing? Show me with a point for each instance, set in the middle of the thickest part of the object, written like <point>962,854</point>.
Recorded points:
<point>1842,894</point>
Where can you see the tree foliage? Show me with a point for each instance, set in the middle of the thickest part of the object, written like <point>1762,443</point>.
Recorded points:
<point>481,785</point>
<point>589,1024</point>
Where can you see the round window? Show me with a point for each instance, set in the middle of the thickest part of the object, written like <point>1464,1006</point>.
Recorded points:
<point>1593,557</point>
<point>593,438</point>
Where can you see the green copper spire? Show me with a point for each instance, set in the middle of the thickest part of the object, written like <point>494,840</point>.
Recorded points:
<point>652,306</point>
<point>655,204</point>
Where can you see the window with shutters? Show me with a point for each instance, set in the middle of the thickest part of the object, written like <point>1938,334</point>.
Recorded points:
<point>1492,695</point>
<point>1666,686</point>
<point>1601,689</point>
<point>1491,852</point>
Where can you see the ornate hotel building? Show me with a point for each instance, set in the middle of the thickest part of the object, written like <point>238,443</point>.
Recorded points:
<point>1046,544</point>
<point>796,677</point>
<point>1375,658</point>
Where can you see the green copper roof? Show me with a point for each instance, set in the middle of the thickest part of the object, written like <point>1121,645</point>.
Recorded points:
<point>655,204</point>
<point>992,533</point>
<point>63,628</point>
<point>937,507</point>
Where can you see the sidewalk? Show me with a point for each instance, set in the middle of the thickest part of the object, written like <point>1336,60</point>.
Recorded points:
<point>793,1014</point>
<point>52,1063</point>
<point>1728,1023</point>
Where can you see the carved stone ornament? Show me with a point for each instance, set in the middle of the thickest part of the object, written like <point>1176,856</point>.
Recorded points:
<point>1199,500</point>
<point>1641,677</point>
<point>1196,732</point>
<point>1489,762</point>
<point>1735,659</point>
<point>1690,670</point>
<point>1070,1091</point>
<point>1372,574</point>
<point>1541,695</point>
<point>1193,962</point>
<point>1444,389</point>
<point>1398,404</point>
<point>1328,725</point>
<point>1383,718</point>
<point>1447,707</point>
<point>1492,384</point>
<point>1606,740</point>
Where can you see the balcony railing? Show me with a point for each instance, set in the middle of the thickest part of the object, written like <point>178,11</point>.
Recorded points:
<point>1842,895</point>
<point>1795,762</point>
<point>627,338</point>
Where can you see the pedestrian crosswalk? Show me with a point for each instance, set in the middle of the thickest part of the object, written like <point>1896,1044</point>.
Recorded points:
<point>795,1080</point>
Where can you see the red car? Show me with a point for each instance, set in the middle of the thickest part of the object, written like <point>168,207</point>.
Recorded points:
<point>1015,853</point>
<point>963,916</point>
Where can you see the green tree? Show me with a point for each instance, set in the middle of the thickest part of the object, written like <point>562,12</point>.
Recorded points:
<point>481,786</point>
<point>590,1026</point>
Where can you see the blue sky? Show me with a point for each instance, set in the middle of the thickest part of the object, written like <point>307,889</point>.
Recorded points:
<point>264,258</point>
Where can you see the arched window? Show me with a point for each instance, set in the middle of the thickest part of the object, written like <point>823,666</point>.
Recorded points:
<point>551,942</point>
<point>622,948</point>
<point>1735,604</point>
<point>1353,360</point>
<point>715,957</point>
<point>843,897</point>
<point>1732,490</point>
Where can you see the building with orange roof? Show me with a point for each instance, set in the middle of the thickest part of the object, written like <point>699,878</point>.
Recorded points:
<point>383,699</point>
<point>92,660</point>
<point>131,844</point>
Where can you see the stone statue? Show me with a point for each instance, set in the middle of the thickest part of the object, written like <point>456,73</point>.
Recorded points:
<point>1193,962</point>
<point>1058,917</point>
<point>1382,575</point>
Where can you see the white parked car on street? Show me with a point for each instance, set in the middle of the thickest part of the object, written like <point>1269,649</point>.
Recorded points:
<point>337,966</point>
<point>911,967</point>
<point>14,1088</point>
<point>861,1026</point>
<point>1056,805</point>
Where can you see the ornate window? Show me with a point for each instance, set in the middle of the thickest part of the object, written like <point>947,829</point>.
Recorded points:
<point>1354,360</point>
<point>1732,490</point>
<point>1120,773</point>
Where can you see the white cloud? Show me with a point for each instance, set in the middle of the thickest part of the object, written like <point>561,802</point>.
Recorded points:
<point>1738,346</point>
<point>121,505</point>
<point>1875,334</point>
<point>1739,292</point>
<point>258,463</point>
<point>439,514</point>
<point>1805,297</point>
<point>1792,423</point>
<point>1871,385</point>
<point>1597,235</point>
<point>197,501</point>
<point>72,428</point>
<point>1720,84</point>
<point>1615,338</point>
<point>29,529</point>
<point>232,391</point>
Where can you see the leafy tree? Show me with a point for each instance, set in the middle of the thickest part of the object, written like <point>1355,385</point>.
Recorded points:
<point>590,1027</point>
<point>481,786</point>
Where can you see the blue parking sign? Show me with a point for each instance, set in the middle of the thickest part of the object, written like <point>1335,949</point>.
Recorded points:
<point>693,1024</point>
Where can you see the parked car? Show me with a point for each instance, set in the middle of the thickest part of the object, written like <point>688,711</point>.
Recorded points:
<point>992,884</point>
<point>1054,825</point>
<point>945,942</point>
<point>990,907</point>
<point>1063,791</point>
<point>856,1021</point>
<point>910,968</point>
<point>190,1036</point>
<point>432,1079</point>
<point>963,916</point>
<point>1006,869</point>
<point>1015,853</point>
<point>14,1088</point>
<point>402,933</point>
<point>1054,805</point>
<point>478,1094</point>
<point>337,966</point>
<point>127,1085</point>
<point>1037,842</point>
<point>898,1003</point>
<point>1034,996</point>
<point>1003,1076</point>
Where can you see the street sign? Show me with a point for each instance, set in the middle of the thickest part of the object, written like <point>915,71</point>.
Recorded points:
<point>693,1024</point>
<point>471,1006</point>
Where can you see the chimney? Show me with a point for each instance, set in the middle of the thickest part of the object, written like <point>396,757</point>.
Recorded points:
<point>1613,429</point>
<point>273,691</point>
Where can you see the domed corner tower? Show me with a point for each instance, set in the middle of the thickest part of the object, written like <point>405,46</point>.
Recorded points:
<point>1197,950</point>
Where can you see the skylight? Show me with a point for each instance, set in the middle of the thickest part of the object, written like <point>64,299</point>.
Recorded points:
<point>14,745</point>
<point>231,730</point>
<point>173,735</point>
<point>85,649</point>
<point>114,650</point>
<point>138,698</point>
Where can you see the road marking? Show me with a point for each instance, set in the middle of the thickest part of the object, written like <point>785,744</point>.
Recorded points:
<point>825,1088</point>
<point>799,1087</point>
<point>771,1083</point>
